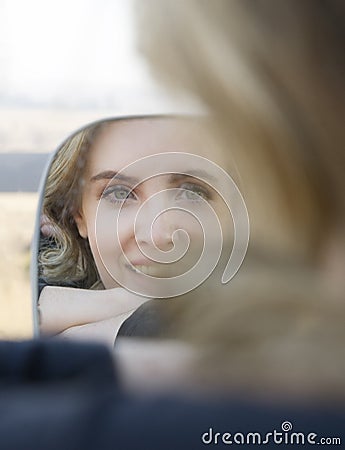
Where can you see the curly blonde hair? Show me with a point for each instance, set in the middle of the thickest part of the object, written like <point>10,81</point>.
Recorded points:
<point>68,259</point>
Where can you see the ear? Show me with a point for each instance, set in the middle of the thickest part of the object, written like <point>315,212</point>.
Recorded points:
<point>81,224</point>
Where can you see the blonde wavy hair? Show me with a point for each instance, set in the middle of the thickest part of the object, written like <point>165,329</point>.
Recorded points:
<point>68,258</point>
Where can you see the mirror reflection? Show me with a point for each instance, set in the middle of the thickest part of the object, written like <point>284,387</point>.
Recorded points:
<point>135,210</point>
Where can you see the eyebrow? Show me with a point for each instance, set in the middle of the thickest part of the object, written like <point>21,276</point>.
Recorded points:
<point>196,173</point>
<point>174,176</point>
<point>110,174</point>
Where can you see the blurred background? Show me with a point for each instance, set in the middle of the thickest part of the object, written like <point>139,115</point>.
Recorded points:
<point>62,65</point>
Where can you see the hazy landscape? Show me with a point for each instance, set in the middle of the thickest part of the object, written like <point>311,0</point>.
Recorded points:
<point>17,213</point>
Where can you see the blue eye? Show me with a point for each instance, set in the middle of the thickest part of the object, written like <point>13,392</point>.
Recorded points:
<point>118,194</point>
<point>193,192</point>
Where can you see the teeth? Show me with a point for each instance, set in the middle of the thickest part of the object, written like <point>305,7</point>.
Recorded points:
<point>152,271</point>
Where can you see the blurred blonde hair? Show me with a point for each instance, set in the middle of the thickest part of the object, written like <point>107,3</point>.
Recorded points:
<point>272,74</point>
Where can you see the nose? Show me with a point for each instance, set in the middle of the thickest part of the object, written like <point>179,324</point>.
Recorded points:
<point>155,225</point>
<point>162,230</point>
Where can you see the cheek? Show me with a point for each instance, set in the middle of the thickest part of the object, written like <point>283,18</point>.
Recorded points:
<point>213,229</point>
<point>195,232</point>
<point>103,245</point>
<point>109,239</point>
<point>191,235</point>
<point>124,230</point>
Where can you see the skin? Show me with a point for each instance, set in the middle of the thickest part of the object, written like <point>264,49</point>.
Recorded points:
<point>86,314</point>
<point>120,261</point>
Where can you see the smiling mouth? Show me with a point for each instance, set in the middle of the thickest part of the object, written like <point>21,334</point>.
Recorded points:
<point>150,270</point>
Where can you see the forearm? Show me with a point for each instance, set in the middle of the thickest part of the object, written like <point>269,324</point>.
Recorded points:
<point>63,307</point>
<point>103,331</point>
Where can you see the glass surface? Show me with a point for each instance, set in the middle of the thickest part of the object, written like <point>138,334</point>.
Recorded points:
<point>133,208</point>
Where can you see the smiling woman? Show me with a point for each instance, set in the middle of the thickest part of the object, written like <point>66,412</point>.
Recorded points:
<point>130,203</point>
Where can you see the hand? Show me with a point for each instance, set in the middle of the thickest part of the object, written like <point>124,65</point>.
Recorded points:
<point>47,228</point>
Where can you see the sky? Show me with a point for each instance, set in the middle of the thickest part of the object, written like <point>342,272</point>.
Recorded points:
<point>73,53</point>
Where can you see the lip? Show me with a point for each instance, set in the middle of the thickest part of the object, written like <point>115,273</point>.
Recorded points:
<point>147,269</point>
<point>141,262</point>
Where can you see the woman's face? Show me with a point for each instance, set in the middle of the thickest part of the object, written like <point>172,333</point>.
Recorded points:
<point>144,213</point>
